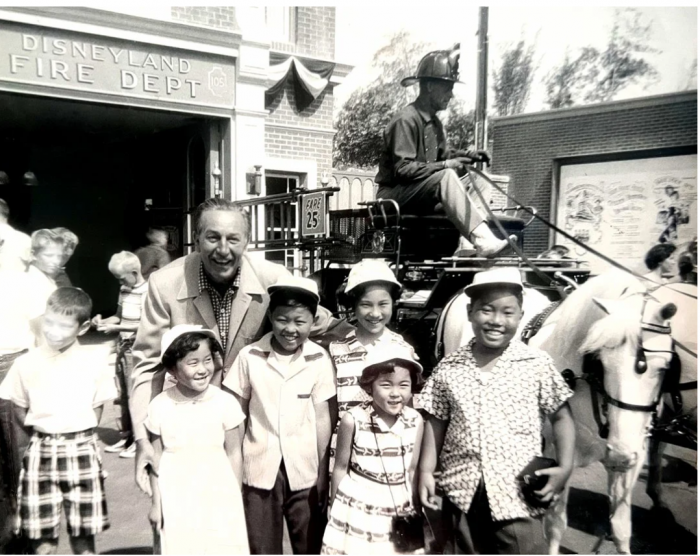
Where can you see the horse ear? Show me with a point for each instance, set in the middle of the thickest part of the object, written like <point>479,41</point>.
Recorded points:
<point>668,311</point>
<point>608,305</point>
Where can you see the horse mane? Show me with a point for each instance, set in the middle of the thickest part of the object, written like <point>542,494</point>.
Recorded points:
<point>579,312</point>
<point>611,332</point>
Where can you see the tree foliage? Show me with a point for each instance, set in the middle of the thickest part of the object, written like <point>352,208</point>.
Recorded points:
<point>599,75</point>
<point>365,114</point>
<point>459,126</point>
<point>512,80</point>
<point>360,123</point>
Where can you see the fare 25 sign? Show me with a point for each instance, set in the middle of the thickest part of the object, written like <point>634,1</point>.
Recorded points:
<point>313,213</point>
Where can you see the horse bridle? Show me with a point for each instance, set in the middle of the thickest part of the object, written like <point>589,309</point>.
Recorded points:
<point>593,375</point>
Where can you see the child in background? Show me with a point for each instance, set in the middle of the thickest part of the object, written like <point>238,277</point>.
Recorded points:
<point>47,260</point>
<point>284,383</point>
<point>126,268</point>
<point>195,429</point>
<point>371,290</point>
<point>70,242</point>
<point>58,391</point>
<point>155,255</point>
<point>376,457</point>
<point>486,403</point>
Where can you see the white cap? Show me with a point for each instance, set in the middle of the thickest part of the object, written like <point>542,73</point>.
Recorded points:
<point>508,275</point>
<point>178,330</point>
<point>289,282</point>
<point>370,270</point>
<point>393,351</point>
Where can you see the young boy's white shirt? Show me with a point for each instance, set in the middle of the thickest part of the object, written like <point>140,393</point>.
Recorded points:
<point>60,389</point>
<point>281,417</point>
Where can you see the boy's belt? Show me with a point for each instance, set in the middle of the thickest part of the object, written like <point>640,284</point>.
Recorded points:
<point>87,434</point>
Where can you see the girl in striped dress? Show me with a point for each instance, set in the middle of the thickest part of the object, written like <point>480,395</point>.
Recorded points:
<point>377,454</point>
<point>371,291</point>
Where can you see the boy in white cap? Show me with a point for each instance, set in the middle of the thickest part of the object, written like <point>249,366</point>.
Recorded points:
<point>284,383</point>
<point>486,403</point>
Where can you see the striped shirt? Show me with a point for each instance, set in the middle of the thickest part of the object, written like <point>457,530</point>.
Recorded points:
<point>350,357</point>
<point>131,302</point>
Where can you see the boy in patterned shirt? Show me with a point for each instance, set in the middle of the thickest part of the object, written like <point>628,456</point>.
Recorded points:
<point>486,403</point>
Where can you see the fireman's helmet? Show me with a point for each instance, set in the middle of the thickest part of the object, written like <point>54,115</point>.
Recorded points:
<point>441,65</point>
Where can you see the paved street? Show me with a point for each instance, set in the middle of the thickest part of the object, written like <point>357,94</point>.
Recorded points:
<point>588,507</point>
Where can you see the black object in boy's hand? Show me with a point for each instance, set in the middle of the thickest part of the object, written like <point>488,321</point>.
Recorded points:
<point>529,482</point>
<point>407,532</point>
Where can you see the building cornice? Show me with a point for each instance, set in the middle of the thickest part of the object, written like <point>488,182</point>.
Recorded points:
<point>306,129</point>
<point>128,27</point>
<point>600,108</point>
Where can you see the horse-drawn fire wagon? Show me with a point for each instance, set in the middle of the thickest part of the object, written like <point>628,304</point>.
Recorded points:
<point>418,248</point>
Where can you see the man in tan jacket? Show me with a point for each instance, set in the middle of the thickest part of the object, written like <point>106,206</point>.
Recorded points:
<point>219,287</point>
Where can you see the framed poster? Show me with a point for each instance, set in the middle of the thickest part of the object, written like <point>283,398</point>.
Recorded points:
<point>622,207</point>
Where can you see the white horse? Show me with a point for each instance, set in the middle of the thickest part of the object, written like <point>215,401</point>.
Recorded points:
<point>685,333</point>
<point>581,324</point>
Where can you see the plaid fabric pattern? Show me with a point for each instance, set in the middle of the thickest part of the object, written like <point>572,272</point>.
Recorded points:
<point>221,305</point>
<point>62,469</point>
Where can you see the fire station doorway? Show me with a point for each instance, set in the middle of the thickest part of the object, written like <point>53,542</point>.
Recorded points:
<point>107,173</point>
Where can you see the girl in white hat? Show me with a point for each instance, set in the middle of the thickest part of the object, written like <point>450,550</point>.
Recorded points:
<point>195,431</point>
<point>371,291</point>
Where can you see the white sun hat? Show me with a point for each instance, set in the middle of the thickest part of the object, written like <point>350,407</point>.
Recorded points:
<point>178,330</point>
<point>501,276</point>
<point>370,270</point>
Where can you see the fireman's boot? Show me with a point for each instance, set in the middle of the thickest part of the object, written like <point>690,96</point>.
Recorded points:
<point>487,244</point>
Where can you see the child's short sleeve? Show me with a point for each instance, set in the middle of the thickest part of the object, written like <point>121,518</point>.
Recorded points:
<point>232,413</point>
<point>154,418</point>
<point>238,379</point>
<point>553,389</point>
<point>324,389</point>
<point>434,397</point>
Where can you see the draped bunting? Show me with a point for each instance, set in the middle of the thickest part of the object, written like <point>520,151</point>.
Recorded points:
<point>310,79</point>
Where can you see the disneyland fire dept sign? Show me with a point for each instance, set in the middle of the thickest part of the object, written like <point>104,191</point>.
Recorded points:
<point>86,63</point>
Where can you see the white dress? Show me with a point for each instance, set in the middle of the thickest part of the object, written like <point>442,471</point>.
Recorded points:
<point>201,500</point>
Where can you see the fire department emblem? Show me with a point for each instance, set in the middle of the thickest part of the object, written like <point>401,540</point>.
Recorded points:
<point>217,81</point>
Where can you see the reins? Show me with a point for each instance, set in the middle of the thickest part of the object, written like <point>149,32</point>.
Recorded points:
<point>547,223</point>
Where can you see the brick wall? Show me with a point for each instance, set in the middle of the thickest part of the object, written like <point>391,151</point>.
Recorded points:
<point>221,17</point>
<point>525,146</point>
<point>301,144</point>
<point>316,31</point>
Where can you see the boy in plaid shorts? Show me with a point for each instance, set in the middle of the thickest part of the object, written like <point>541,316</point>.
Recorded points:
<point>58,391</point>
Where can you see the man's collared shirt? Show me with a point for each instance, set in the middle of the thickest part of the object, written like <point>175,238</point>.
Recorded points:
<point>281,414</point>
<point>220,305</point>
<point>495,423</point>
<point>414,147</point>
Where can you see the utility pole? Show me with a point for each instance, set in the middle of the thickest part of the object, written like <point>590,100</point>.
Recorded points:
<point>482,78</point>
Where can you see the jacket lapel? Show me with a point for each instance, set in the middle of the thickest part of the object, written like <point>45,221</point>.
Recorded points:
<point>250,285</point>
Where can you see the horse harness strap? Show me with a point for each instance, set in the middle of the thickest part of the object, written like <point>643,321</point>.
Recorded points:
<point>533,327</point>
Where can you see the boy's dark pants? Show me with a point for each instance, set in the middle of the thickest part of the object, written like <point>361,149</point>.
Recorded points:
<point>266,510</point>
<point>476,533</point>
<point>13,443</point>
<point>124,367</point>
